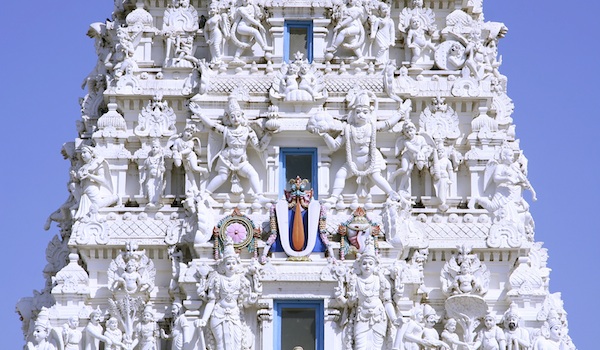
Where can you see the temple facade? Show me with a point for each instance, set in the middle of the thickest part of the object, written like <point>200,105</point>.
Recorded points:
<point>302,174</point>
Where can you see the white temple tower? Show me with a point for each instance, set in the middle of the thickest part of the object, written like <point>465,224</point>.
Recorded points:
<point>270,174</point>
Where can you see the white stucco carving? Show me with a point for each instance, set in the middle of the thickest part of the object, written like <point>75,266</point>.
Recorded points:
<point>405,135</point>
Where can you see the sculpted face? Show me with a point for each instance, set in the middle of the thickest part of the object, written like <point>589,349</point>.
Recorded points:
<point>86,155</point>
<point>451,326</point>
<point>556,332</point>
<point>367,265</point>
<point>489,322</point>
<point>40,333</point>
<point>73,322</point>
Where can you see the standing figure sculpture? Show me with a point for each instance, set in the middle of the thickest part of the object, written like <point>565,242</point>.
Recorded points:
<point>93,334</point>
<point>152,175</point>
<point>231,149</point>
<point>146,332</point>
<point>229,290</point>
<point>71,335</point>
<point>216,31</point>
<point>553,339</point>
<point>179,328</point>
<point>383,33</point>
<point>349,30</point>
<point>41,333</point>
<point>413,149</point>
<point>115,335</point>
<point>450,337</point>
<point>95,183</point>
<point>410,335</point>
<point>363,159</point>
<point>429,333</point>
<point>246,24</point>
<point>491,337</point>
<point>441,171</point>
<point>517,338</point>
<point>184,147</point>
<point>370,300</point>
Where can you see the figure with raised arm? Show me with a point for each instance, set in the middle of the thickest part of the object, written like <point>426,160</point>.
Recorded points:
<point>246,24</point>
<point>185,147</point>
<point>349,30</point>
<point>230,151</point>
<point>180,24</point>
<point>413,149</point>
<point>363,159</point>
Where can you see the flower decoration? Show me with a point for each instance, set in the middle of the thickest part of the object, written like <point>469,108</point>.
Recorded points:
<point>237,232</point>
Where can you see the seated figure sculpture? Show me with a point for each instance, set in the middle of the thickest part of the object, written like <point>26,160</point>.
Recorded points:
<point>363,159</point>
<point>507,201</point>
<point>95,184</point>
<point>231,149</point>
<point>180,23</point>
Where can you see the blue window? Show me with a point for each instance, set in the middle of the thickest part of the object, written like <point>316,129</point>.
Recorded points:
<point>299,323</point>
<point>298,37</point>
<point>298,162</point>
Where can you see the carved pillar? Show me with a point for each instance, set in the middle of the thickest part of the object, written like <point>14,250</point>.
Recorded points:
<point>277,33</point>
<point>273,175</point>
<point>323,169</point>
<point>331,336</point>
<point>319,36</point>
<point>265,324</point>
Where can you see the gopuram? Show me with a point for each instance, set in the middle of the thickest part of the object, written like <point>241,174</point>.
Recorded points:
<point>301,174</point>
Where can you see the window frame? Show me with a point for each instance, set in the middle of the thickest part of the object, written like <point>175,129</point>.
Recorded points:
<point>287,25</point>
<point>316,305</point>
<point>300,151</point>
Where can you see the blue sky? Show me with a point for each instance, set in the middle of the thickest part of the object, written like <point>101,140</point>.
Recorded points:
<point>549,56</point>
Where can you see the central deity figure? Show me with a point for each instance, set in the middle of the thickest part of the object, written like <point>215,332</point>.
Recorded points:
<point>363,159</point>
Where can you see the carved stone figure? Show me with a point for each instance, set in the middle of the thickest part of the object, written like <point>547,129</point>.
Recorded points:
<point>442,171</point>
<point>95,184</point>
<point>357,231</point>
<point>43,333</point>
<point>363,159</point>
<point>185,148</point>
<point>152,175</point>
<point>507,203</point>
<point>298,81</point>
<point>349,31</point>
<point>180,24</point>
<point>491,337</point>
<point>156,119</point>
<point>146,332</point>
<point>216,31</point>
<point>517,338</point>
<point>369,298</point>
<point>93,332</point>
<point>450,337</point>
<point>131,271</point>
<point>439,120</point>
<point>71,335</point>
<point>247,29</point>
<point>413,149</point>
<point>231,149</point>
<point>430,335</point>
<point>383,33</point>
<point>553,337</point>
<point>464,273</point>
<point>228,291</point>
<point>115,335</point>
<point>417,25</point>
<point>63,215</point>
<point>179,328</point>
<point>410,335</point>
